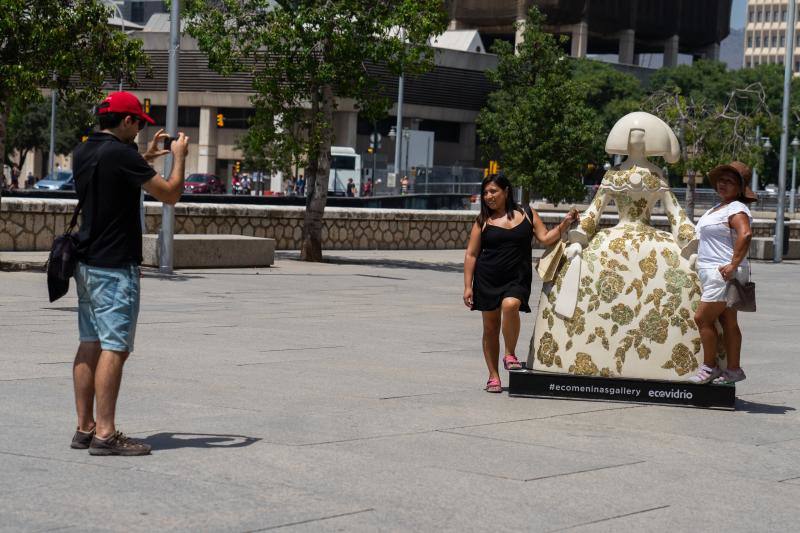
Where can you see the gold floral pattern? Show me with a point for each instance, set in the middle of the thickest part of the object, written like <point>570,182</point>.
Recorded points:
<point>609,285</point>
<point>548,347</point>
<point>682,360</point>
<point>636,295</point>
<point>584,366</point>
<point>622,314</point>
<point>649,267</point>
<point>686,232</point>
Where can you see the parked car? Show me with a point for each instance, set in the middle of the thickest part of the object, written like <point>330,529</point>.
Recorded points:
<point>203,184</point>
<point>60,180</point>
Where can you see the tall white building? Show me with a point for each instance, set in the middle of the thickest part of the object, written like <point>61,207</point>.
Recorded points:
<point>765,34</point>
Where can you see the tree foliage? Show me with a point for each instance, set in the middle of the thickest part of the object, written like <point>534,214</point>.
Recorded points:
<point>62,45</point>
<point>28,128</point>
<point>536,122</point>
<point>305,55</point>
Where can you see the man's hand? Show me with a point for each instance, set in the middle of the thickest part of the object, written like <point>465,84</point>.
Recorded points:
<point>180,146</point>
<point>153,151</point>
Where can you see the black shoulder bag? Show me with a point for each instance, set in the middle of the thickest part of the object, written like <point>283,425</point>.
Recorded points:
<point>64,252</point>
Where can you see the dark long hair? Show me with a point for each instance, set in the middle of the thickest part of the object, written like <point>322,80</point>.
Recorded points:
<point>511,206</point>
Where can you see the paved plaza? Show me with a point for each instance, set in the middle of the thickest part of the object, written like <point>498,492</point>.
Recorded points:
<point>347,396</point>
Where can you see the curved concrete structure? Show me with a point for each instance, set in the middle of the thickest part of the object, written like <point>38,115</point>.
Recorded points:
<point>626,27</point>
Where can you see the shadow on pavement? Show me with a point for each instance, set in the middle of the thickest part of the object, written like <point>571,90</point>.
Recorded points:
<point>395,263</point>
<point>174,441</point>
<point>153,273</point>
<point>762,408</point>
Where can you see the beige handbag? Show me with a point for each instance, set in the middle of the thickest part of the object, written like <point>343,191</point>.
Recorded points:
<point>548,263</point>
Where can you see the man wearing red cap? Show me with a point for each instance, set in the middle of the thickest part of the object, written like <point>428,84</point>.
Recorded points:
<point>109,174</point>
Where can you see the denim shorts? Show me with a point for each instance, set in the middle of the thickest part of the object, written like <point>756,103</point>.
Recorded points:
<point>715,289</point>
<point>108,305</point>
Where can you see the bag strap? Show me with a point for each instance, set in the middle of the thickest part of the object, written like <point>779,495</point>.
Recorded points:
<point>82,198</point>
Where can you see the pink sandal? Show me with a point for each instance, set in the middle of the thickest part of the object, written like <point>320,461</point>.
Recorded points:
<point>510,362</point>
<point>493,385</point>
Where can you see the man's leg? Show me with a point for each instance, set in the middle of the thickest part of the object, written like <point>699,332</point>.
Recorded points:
<point>83,374</point>
<point>108,377</point>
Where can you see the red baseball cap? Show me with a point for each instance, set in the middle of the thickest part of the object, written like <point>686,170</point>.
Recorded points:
<point>125,103</point>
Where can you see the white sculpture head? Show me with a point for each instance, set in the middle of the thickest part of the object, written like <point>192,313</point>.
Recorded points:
<point>645,134</point>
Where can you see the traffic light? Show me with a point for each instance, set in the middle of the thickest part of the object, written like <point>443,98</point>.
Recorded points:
<point>220,120</point>
<point>146,106</point>
<point>237,166</point>
<point>493,169</point>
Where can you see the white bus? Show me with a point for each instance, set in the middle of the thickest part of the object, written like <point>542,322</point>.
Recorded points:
<point>345,164</point>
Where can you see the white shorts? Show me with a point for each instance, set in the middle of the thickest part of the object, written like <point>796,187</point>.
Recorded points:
<point>715,289</point>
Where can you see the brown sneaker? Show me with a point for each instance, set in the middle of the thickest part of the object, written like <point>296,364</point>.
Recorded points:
<point>118,444</point>
<point>81,440</point>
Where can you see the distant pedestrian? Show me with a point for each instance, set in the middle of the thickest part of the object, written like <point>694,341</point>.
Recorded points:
<point>351,187</point>
<point>498,269</point>
<point>725,234</point>
<point>368,187</point>
<point>109,174</point>
<point>404,185</point>
<point>29,180</point>
<point>301,186</point>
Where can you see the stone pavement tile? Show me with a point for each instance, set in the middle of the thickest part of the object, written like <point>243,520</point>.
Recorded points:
<point>584,434</point>
<point>114,495</point>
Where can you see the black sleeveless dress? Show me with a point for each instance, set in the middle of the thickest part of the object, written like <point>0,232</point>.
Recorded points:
<point>504,267</point>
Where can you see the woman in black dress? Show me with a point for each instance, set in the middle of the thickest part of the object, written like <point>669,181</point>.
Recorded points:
<point>498,269</point>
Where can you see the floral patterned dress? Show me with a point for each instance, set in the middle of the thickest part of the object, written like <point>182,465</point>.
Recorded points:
<point>634,316</point>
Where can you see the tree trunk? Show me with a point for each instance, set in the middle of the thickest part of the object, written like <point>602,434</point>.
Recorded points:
<point>322,103</point>
<point>3,121</point>
<point>690,188</point>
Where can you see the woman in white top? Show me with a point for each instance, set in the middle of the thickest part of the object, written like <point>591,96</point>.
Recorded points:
<point>725,235</point>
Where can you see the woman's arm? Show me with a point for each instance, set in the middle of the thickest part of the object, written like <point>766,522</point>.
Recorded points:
<point>550,237</point>
<point>741,223</point>
<point>470,258</point>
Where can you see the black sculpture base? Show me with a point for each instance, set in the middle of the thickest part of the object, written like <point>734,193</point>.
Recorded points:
<point>546,385</point>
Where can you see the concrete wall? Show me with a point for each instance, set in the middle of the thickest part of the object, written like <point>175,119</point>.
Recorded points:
<point>31,224</point>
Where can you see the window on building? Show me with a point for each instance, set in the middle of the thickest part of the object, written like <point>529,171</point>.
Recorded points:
<point>783,15</point>
<point>749,41</point>
<point>750,15</point>
<point>797,66</point>
<point>774,40</point>
<point>188,117</point>
<point>775,15</point>
<point>783,40</point>
<point>444,131</point>
<point>137,12</point>
<point>758,41</point>
<point>758,15</point>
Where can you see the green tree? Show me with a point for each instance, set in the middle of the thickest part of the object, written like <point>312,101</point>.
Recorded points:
<point>609,92</point>
<point>536,122</point>
<point>28,128</point>
<point>63,45</point>
<point>710,132</point>
<point>304,54</point>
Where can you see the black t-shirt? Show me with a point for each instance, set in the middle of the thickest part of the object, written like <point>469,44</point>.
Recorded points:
<point>111,229</point>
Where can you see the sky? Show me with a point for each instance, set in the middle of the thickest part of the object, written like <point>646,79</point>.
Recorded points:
<point>738,12</point>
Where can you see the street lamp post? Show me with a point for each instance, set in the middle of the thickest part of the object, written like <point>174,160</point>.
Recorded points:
<point>167,211</point>
<point>787,90</point>
<point>795,143</point>
<point>122,24</point>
